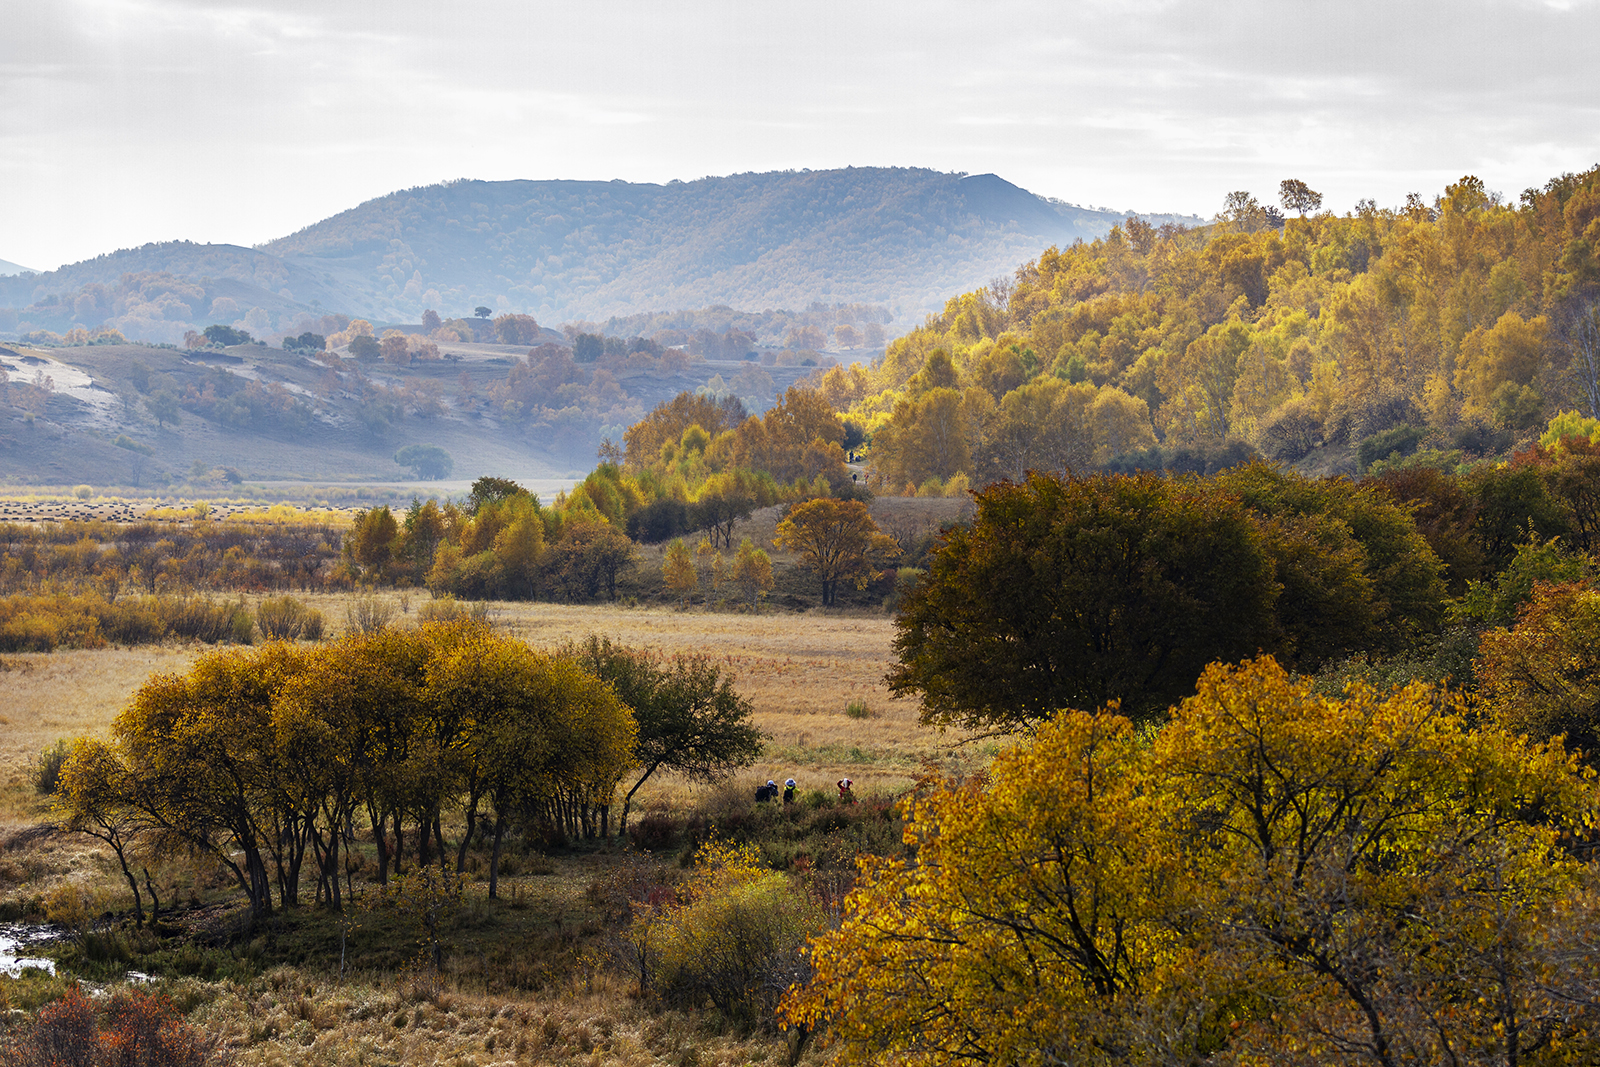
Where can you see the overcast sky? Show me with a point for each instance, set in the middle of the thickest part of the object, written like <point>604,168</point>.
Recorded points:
<point>126,121</point>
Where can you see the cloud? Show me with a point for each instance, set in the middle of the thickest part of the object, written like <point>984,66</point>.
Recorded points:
<point>123,121</point>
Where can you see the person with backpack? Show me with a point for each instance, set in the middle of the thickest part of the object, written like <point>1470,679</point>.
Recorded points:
<point>788,791</point>
<point>845,796</point>
<point>767,792</point>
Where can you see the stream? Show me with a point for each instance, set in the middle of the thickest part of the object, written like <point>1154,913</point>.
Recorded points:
<point>15,938</point>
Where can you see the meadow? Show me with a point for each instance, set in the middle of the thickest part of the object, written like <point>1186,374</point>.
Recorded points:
<point>523,983</point>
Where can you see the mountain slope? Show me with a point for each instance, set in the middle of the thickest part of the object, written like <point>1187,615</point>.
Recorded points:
<point>563,249</point>
<point>566,250</point>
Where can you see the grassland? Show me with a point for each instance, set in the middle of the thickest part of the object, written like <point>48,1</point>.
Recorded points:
<point>523,984</point>
<point>801,671</point>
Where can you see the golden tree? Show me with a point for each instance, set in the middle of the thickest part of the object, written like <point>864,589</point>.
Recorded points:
<point>1279,877</point>
<point>837,540</point>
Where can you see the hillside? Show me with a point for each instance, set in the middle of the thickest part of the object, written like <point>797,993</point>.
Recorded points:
<point>1452,331</point>
<point>102,414</point>
<point>566,250</point>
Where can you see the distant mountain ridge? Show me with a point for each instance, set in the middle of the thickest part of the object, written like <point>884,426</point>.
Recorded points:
<point>565,250</point>
<point>8,267</point>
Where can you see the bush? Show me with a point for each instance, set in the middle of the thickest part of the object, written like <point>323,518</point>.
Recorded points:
<point>1397,439</point>
<point>448,609</point>
<point>47,768</point>
<point>858,709</point>
<point>45,622</point>
<point>368,615</point>
<point>140,1030</point>
<point>202,619</point>
<point>287,619</point>
<point>737,941</point>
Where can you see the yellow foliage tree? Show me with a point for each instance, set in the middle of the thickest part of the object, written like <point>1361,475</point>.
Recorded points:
<point>1279,877</point>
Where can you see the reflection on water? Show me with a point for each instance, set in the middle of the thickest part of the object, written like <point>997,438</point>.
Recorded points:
<point>17,936</point>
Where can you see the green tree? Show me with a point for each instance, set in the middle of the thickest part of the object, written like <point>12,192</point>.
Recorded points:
<point>489,489</point>
<point>691,720</point>
<point>426,461</point>
<point>366,349</point>
<point>226,336</point>
<point>164,406</point>
<point>1362,575</point>
<point>837,540</point>
<point>1075,592</point>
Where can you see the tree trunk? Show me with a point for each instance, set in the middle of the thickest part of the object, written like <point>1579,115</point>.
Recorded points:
<point>494,856</point>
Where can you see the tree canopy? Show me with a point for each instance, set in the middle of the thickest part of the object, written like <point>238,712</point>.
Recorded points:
<point>262,758</point>
<point>837,540</point>
<point>1276,877</point>
<point>690,718</point>
<point>1077,592</point>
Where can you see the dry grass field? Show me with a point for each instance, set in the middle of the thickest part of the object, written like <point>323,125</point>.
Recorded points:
<point>801,672</point>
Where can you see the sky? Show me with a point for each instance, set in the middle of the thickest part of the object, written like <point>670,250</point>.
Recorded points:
<point>128,121</point>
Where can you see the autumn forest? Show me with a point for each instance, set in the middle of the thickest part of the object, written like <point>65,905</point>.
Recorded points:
<point>1183,649</point>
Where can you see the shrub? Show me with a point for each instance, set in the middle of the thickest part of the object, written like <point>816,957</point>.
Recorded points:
<point>1397,439</point>
<point>202,619</point>
<point>368,615</point>
<point>140,1030</point>
<point>858,709</point>
<point>288,619</point>
<point>448,609</point>
<point>737,940</point>
<point>653,831</point>
<point>47,768</point>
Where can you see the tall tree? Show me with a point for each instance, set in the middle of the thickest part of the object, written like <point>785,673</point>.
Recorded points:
<point>691,720</point>
<point>837,540</point>
<point>1073,592</point>
<point>1295,195</point>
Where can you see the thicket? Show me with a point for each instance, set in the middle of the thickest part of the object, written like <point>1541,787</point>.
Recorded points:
<point>159,557</point>
<point>265,759</point>
<point>44,622</point>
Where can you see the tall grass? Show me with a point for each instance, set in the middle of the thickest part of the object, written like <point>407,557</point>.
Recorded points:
<point>285,618</point>
<point>45,622</point>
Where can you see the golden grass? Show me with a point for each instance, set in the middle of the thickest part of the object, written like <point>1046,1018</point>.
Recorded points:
<point>287,1017</point>
<point>800,671</point>
<point>49,695</point>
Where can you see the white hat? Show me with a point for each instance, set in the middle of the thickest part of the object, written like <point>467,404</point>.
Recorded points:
<point>771,782</point>
<point>790,783</point>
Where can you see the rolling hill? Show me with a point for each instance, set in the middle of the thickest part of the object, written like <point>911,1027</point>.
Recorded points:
<point>569,250</point>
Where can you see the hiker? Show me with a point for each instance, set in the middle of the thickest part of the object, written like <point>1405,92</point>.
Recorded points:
<point>767,792</point>
<point>845,796</point>
<point>788,791</point>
